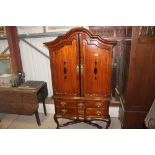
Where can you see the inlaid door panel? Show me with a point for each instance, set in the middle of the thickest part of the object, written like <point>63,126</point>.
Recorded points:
<point>65,62</point>
<point>96,62</point>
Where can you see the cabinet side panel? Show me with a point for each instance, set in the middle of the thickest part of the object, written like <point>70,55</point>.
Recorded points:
<point>141,81</point>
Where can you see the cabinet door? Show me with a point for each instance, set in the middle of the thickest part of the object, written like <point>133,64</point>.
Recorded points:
<point>96,67</point>
<point>64,62</point>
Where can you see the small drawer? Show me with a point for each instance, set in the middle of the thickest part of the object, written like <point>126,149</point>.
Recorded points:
<point>97,104</point>
<point>96,112</point>
<point>81,111</point>
<point>63,104</point>
<point>66,111</point>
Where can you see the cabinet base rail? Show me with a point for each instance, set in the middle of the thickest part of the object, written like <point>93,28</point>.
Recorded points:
<point>107,120</point>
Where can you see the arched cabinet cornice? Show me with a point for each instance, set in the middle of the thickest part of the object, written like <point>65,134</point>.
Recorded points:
<point>87,35</point>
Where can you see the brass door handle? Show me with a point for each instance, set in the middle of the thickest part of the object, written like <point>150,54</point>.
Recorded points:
<point>78,69</point>
<point>81,68</point>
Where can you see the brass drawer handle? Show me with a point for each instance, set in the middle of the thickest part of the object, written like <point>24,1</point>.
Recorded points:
<point>98,113</point>
<point>81,112</point>
<point>63,103</point>
<point>98,104</point>
<point>64,111</point>
<point>80,104</point>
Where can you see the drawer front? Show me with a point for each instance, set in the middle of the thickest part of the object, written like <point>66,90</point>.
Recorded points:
<point>65,104</point>
<point>97,105</point>
<point>66,111</point>
<point>96,112</point>
<point>80,105</point>
<point>81,111</point>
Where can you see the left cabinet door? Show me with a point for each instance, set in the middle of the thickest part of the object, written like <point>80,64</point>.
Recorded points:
<point>64,66</point>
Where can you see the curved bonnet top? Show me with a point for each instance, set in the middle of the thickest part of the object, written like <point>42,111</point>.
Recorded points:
<point>73,31</point>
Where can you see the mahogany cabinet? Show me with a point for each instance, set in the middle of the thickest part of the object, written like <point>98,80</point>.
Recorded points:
<point>81,67</point>
<point>137,77</point>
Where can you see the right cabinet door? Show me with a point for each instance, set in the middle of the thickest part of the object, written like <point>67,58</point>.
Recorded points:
<point>96,67</point>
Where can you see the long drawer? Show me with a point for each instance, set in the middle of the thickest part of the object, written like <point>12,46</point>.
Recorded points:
<point>81,104</point>
<point>104,105</point>
<point>66,104</point>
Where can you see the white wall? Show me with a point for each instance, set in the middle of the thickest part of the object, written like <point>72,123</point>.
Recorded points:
<point>35,65</point>
<point>3,46</point>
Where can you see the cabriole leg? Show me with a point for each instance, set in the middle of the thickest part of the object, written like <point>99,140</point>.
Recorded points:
<point>108,122</point>
<point>56,121</point>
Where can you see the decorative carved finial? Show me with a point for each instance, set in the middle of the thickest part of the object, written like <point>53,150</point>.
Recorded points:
<point>147,31</point>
